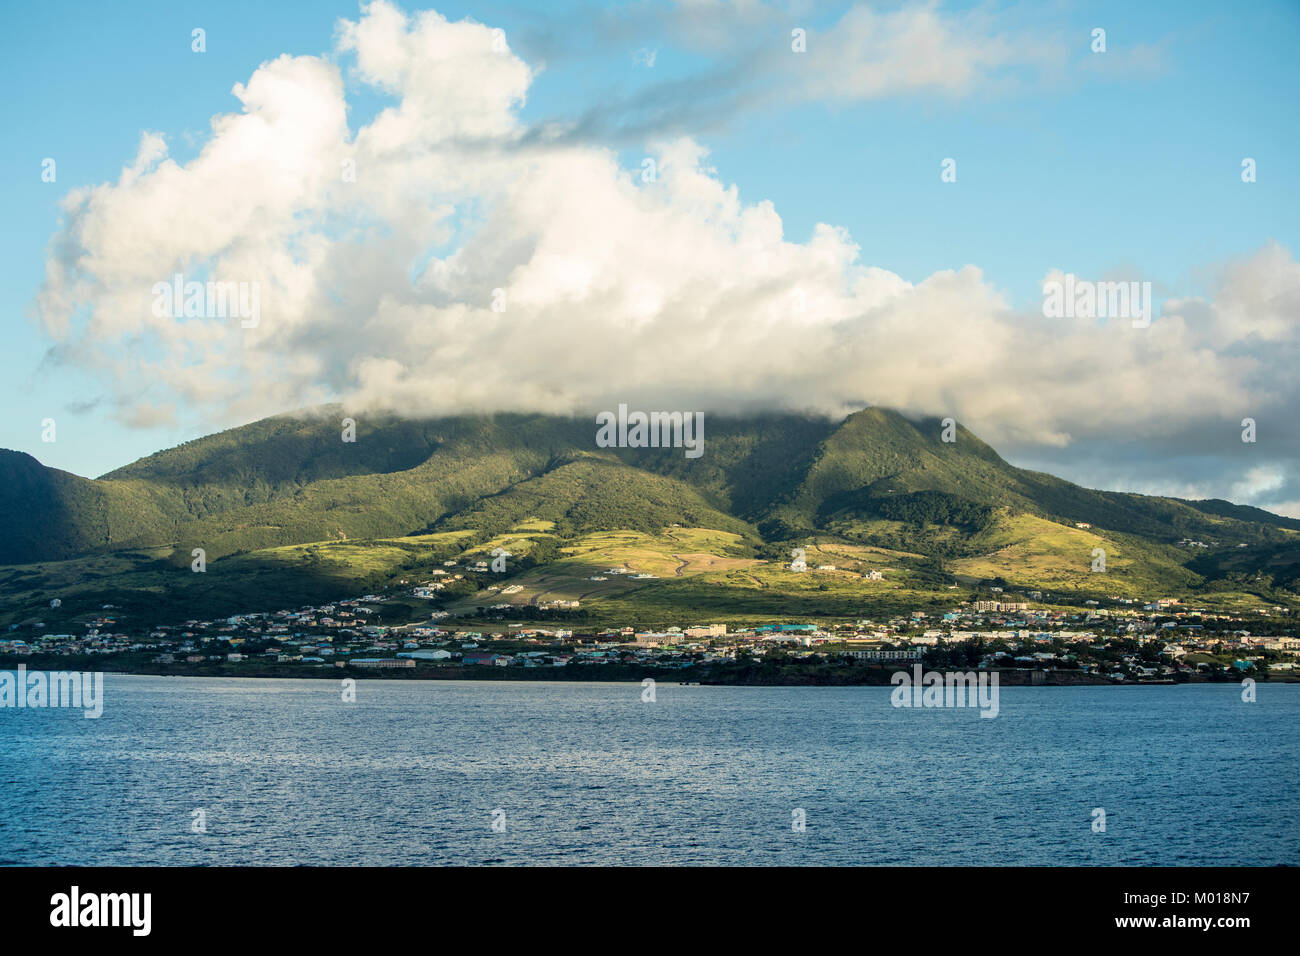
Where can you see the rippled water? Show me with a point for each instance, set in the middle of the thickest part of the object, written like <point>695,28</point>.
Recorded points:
<point>588,773</point>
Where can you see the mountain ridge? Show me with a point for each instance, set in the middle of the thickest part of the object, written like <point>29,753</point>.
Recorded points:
<point>875,482</point>
<point>783,474</point>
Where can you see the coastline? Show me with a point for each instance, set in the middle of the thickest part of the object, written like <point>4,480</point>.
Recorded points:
<point>749,675</point>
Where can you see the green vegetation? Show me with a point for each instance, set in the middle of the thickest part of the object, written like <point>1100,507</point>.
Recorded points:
<point>287,513</point>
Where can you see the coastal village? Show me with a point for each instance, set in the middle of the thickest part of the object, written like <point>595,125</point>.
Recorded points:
<point>1160,640</point>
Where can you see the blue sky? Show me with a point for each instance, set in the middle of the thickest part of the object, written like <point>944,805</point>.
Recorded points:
<point>1125,162</point>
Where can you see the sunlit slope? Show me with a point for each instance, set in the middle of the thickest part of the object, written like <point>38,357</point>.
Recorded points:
<point>291,497</point>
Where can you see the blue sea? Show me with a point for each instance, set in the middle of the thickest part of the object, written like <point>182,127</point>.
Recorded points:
<point>286,772</point>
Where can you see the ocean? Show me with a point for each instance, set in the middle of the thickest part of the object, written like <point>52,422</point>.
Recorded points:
<point>204,771</point>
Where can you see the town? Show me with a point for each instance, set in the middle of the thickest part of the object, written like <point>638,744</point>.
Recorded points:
<point>1161,641</point>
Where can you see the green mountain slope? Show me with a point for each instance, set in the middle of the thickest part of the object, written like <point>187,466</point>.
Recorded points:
<point>876,480</point>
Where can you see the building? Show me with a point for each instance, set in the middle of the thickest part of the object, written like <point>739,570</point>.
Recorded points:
<point>381,662</point>
<point>491,659</point>
<point>879,655</point>
<point>707,630</point>
<point>999,607</point>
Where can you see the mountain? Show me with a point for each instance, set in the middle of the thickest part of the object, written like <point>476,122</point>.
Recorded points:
<point>878,486</point>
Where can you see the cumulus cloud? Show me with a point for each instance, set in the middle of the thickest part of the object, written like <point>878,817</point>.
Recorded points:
<point>443,258</point>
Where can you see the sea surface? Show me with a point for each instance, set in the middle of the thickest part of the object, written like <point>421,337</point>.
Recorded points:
<point>286,772</point>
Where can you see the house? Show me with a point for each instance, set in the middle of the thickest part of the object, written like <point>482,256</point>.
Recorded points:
<point>489,659</point>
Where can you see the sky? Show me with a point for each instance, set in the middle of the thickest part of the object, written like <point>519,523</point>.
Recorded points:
<point>702,205</point>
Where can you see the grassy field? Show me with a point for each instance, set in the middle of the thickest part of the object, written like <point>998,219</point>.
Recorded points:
<point>677,552</point>
<point>1033,553</point>
<point>696,574</point>
<point>708,574</point>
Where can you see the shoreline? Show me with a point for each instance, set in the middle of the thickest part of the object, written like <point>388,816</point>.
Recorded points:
<point>744,676</point>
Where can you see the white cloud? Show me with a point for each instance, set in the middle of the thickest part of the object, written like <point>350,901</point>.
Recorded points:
<point>670,293</point>
<point>1258,483</point>
<point>870,53</point>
